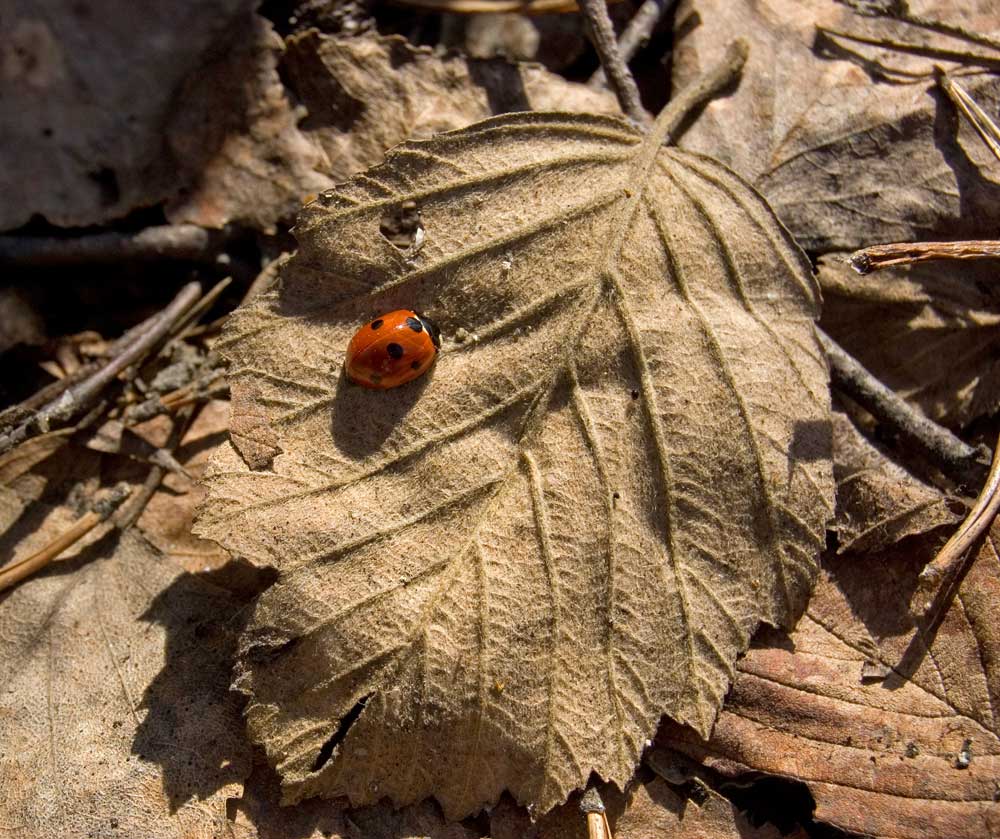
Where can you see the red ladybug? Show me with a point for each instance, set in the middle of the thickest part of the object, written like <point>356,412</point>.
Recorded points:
<point>392,350</point>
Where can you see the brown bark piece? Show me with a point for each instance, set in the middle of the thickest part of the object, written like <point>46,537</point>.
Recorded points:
<point>501,575</point>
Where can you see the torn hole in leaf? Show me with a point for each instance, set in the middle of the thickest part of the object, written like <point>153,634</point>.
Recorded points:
<point>402,226</point>
<point>329,747</point>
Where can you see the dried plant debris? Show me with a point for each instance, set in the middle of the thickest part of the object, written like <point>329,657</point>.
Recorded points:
<point>928,331</point>
<point>501,575</point>
<point>851,143</point>
<point>878,501</point>
<point>86,97</point>
<point>914,754</point>
<point>367,94</point>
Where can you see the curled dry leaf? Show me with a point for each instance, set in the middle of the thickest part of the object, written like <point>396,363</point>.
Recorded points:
<point>851,144</point>
<point>501,575</point>
<point>928,331</point>
<point>367,94</point>
<point>913,756</point>
<point>879,502</point>
<point>251,163</point>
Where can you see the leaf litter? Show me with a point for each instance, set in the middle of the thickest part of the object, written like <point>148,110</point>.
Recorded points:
<point>502,576</point>
<point>914,754</point>
<point>178,656</point>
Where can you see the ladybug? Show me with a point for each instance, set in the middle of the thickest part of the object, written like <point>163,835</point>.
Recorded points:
<point>392,350</point>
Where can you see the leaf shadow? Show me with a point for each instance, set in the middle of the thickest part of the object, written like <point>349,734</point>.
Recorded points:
<point>193,729</point>
<point>978,195</point>
<point>363,418</point>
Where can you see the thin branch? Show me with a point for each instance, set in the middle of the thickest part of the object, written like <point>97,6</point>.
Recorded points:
<point>103,508</point>
<point>602,34</point>
<point>635,35</point>
<point>169,241</point>
<point>597,821</point>
<point>956,459</point>
<point>81,396</point>
<point>976,523</point>
<point>867,260</point>
<point>985,127</point>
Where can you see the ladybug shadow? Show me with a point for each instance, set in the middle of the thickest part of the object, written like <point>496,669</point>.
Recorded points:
<point>363,418</point>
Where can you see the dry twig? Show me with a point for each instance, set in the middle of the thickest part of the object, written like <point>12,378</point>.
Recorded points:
<point>976,523</point>
<point>103,508</point>
<point>78,398</point>
<point>602,34</point>
<point>597,820</point>
<point>169,241</point>
<point>639,28</point>
<point>958,460</point>
<point>876,257</point>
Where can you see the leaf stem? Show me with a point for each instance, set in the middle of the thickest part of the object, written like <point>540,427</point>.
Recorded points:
<point>676,113</point>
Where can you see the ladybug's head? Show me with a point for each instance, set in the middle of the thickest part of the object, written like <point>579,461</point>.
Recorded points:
<point>432,329</point>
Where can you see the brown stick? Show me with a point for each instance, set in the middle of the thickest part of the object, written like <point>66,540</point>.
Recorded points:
<point>639,28</point>
<point>973,112</point>
<point>81,396</point>
<point>180,241</point>
<point>602,34</point>
<point>976,523</point>
<point>597,821</point>
<point>956,459</point>
<point>867,260</point>
<point>14,573</point>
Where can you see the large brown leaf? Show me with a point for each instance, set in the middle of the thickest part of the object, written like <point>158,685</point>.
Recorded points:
<point>503,574</point>
<point>882,758</point>
<point>847,149</point>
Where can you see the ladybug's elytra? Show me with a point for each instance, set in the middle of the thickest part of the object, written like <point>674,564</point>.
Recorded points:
<point>392,350</point>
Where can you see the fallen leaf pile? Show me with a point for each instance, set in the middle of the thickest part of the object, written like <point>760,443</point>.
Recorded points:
<point>617,538</point>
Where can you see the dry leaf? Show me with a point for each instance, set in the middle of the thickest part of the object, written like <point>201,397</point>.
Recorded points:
<point>167,519</point>
<point>501,575</point>
<point>879,502</point>
<point>114,714</point>
<point>367,94</point>
<point>928,331</point>
<point>82,127</point>
<point>845,159</point>
<point>885,758</point>
<point>255,167</point>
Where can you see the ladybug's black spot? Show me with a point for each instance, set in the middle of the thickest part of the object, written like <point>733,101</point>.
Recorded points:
<point>414,365</point>
<point>376,323</point>
<point>395,350</point>
<point>376,378</point>
<point>415,324</point>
